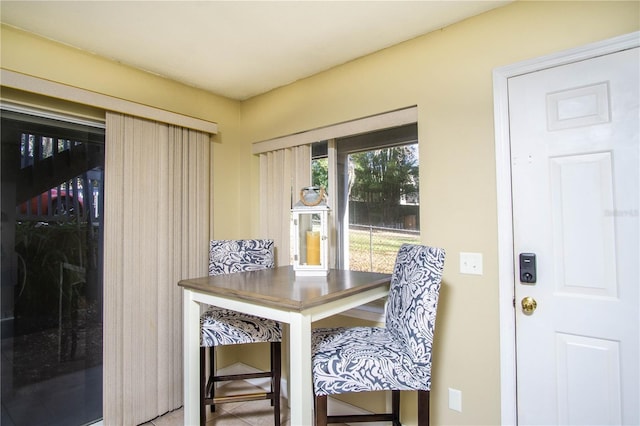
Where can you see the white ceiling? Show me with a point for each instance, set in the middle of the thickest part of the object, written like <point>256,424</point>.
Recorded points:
<point>237,49</point>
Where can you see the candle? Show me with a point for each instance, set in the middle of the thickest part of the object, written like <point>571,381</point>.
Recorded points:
<point>313,247</point>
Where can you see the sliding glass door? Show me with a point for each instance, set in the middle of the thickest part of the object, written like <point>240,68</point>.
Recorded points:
<point>51,288</point>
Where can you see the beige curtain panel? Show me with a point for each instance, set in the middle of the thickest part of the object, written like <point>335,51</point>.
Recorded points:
<point>283,173</point>
<point>157,213</point>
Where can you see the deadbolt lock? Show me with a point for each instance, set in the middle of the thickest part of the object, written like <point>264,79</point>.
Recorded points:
<point>529,305</point>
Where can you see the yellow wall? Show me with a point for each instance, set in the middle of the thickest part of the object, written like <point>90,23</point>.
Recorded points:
<point>28,54</point>
<point>448,75</point>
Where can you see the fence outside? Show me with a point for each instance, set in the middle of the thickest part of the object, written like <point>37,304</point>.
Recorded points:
<point>374,248</point>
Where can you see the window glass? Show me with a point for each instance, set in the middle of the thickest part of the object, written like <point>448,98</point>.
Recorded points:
<point>51,293</point>
<point>320,172</point>
<point>377,196</point>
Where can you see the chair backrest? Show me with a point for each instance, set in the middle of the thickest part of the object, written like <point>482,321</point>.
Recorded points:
<point>413,298</point>
<point>230,256</point>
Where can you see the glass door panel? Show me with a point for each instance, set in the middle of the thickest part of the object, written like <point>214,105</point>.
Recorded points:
<point>51,309</point>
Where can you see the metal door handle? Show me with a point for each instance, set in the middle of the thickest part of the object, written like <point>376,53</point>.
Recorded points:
<point>529,305</point>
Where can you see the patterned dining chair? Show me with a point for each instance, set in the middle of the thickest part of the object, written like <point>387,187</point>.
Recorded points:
<point>221,327</point>
<point>395,357</point>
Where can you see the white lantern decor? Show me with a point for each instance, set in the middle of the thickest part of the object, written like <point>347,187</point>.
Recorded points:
<point>310,238</point>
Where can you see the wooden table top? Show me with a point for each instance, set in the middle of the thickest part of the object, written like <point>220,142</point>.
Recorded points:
<point>281,288</point>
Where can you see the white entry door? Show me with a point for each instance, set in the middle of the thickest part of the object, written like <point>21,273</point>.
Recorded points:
<point>575,162</point>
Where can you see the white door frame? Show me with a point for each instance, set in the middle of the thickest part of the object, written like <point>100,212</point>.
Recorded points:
<point>506,271</point>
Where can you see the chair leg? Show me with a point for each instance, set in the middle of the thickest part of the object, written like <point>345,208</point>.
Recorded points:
<point>212,370</point>
<point>272,350</point>
<point>208,382</point>
<point>203,387</point>
<point>395,407</point>
<point>423,408</point>
<point>321,410</point>
<point>276,372</point>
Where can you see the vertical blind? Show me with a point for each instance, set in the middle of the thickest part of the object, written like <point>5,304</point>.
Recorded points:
<point>157,195</point>
<point>283,173</point>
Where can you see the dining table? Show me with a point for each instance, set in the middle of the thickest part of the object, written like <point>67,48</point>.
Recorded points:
<point>281,295</point>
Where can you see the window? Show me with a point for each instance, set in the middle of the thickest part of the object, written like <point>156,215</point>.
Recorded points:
<point>377,195</point>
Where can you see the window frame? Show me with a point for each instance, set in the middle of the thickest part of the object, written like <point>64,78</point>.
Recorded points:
<point>384,138</point>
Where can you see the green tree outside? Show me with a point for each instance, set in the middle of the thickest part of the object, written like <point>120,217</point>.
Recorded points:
<point>381,177</point>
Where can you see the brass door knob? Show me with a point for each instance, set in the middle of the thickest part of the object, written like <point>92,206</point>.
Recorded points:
<point>529,305</point>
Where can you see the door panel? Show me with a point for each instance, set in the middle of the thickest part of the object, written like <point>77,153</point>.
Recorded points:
<point>586,363</point>
<point>575,190</point>
<point>581,187</point>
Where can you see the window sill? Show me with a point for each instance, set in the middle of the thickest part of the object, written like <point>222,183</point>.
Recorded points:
<point>373,311</point>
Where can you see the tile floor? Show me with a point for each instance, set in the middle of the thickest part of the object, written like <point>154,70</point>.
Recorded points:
<point>257,413</point>
<point>254,413</point>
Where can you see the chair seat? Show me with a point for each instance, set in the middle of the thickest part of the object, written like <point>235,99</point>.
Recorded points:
<point>360,359</point>
<point>225,327</point>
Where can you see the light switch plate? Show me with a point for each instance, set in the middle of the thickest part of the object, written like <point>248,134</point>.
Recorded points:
<point>471,263</point>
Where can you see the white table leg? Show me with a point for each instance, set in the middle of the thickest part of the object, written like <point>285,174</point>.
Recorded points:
<point>300,399</point>
<point>191,360</point>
